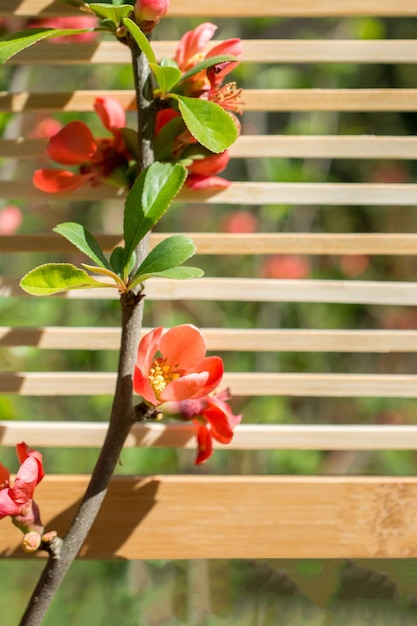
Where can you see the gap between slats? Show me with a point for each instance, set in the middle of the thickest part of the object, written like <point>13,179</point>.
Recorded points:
<point>220,339</point>
<point>246,436</point>
<point>254,51</point>
<point>240,384</point>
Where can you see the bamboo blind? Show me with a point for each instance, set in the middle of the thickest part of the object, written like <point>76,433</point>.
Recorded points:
<point>262,516</point>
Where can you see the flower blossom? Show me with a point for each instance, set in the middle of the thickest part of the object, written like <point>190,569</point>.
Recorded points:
<point>149,12</point>
<point>17,501</point>
<point>202,172</point>
<point>192,49</point>
<point>98,160</point>
<point>180,372</point>
<point>10,219</point>
<point>214,420</point>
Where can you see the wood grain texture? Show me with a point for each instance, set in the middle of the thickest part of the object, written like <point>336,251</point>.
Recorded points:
<point>249,289</point>
<point>240,384</point>
<point>243,8</point>
<point>246,436</point>
<point>221,339</point>
<point>287,146</point>
<point>243,193</point>
<point>178,517</point>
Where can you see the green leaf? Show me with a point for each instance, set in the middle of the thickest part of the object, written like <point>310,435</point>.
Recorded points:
<point>130,137</point>
<point>185,272</point>
<point>209,62</point>
<point>84,241</point>
<point>151,195</point>
<point>111,12</point>
<point>140,39</point>
<point>15,42</point>
<point>211,125</point>
<point>166,77</point>
<point>117,260</point>
<point>165,139</point>
<point>169,253</point>
<point>105,272</point>
<point>51,278</point>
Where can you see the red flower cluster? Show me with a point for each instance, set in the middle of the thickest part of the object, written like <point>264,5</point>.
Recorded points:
<point>173,368</point>
<point>17,501</point>
<point>98,160</point>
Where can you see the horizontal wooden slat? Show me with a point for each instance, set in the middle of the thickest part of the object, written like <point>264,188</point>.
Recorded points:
<point>241,384</point>
<point>246,436</point>
<point>289,146</point>
<point>236,517</point>
<point>236,244</point>
<point>252,289</point>
<point>254,99</point>
<point>223,339</point>
<point>350,194</point>
<point>240,8</point>
<point>258,51</point>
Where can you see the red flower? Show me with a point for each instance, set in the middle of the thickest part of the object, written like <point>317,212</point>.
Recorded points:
<point>149,12</point>
<point>99,160</point>
<point>181,372</point>
<point>214,419</point>
<point>17,501</point>
<point>191,50</point>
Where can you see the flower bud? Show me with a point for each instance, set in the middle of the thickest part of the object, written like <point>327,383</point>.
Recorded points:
<point>149,12</point>
<point>31,542</point>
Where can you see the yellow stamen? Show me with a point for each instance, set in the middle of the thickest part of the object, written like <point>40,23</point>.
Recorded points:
<point>160,375</point>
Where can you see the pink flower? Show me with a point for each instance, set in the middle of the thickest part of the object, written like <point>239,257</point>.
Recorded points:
<point>192,49</point>
<point>45,126</point>
<point>149,12</point>
<point>240,222</point>
<point>182,371</point>
<point>10,219</point>
<point>99,160</point>
<point>214,419</point>
<point>17,501</point>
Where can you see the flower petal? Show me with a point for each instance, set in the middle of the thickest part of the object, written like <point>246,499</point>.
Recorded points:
<point>221,429</point>
<point>183,347</point>
<point>212,164</point>
<point>111,113</point>
<point>26,480</point>
<point>200,182</point>
<point>7,505</point>
<point>185,387</point>
<point>23,451</point>
<point>148,347</point>
<point>205,445</point>
<point>72,145</point>
<point>4,477</point>
<point>215,368</point>
<point>192,42</point>
<point>142,387</point>
<point>55,181</point>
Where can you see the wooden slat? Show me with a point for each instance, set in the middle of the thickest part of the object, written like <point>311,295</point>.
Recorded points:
<point>350,194</point>
<point>255,100</point>
<point>242,8</point>
<point>246,436</point>
<point>290,146</point>
<point>253,289</point>
<point>254,51</point>
<point>236,244</point>
<point>241,384</point>
<point>223,339</point>
<point>237,517</point>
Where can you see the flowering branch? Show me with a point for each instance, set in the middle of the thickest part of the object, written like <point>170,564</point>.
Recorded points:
<point>188,119</point>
